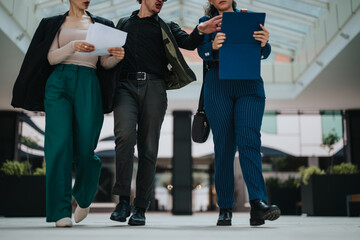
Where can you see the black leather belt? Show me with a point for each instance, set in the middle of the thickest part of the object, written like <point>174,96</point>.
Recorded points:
<point>141,76</point>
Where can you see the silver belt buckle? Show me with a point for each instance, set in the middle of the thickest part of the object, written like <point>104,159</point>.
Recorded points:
<point>142,74</point>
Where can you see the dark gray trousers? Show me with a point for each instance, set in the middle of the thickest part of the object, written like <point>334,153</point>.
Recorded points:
<point>138,115</point>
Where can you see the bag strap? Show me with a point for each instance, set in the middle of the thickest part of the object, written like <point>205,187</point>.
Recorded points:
<point>201,98</point>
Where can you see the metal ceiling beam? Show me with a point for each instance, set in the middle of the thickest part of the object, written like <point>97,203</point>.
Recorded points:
<point>13,30</point>
<point>102,6</point>
<point>198,12</point>
<point>285,33</point>
<point>284,40</point>
<point>169,7</point>
<point>46,4</point>
<point>110,8</point>
<point>315,3</point>
<point>184,19</point>
<point>181,13</point>
<point>191,5</point>
<point>281,50</point>
<point>286,11</point>
<point>280,43</point>
<point>279,13</point>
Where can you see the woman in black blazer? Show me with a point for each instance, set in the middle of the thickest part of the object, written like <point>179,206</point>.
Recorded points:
<point>55,79</point>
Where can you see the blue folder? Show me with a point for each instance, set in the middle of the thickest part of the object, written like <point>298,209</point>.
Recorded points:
<point>240,54</point>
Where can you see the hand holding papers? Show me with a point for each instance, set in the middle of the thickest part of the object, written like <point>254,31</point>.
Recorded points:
<point>240,54</point>
<point>103,38</point>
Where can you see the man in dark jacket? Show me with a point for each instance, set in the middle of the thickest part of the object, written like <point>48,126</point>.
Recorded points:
<point>152,64</point>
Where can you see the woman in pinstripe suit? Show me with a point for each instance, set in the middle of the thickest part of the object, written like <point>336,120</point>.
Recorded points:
<point>235,109</point>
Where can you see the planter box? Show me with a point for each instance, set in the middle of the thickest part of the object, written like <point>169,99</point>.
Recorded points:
<point>22,196</point>
<point>286,199</point>
<point>325,195</point>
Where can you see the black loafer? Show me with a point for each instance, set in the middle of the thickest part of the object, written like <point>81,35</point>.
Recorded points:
<point>260,212</point>
<point>138,217</point>
<point>121,212</point>
<point>225,216</point>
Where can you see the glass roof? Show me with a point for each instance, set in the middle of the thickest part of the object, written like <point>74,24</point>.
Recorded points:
<point>296,6</point>
<point>288,21</point>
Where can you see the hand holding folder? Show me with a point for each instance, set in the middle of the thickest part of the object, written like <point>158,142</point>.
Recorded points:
<point>240,54</point>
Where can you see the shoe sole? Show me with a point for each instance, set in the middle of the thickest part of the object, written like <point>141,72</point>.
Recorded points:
<point>271,215</point>
<point>63,223</point>
<point>223,223</point>
<point>64,226</point>
<point>118,219</point>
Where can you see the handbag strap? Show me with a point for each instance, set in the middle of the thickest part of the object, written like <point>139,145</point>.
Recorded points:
<point>201,98</point>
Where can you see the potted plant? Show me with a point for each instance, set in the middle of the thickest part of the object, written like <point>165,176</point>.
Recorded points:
<point>23,193</point>
<point>328,141</point>
<point>285,194</point>
<point>324,193</point>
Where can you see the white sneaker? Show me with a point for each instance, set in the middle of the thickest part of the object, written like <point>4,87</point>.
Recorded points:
<point>64,222</point>
<point>81,213</point>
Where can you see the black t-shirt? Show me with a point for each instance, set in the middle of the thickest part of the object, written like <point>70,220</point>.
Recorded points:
<point>144,49</point>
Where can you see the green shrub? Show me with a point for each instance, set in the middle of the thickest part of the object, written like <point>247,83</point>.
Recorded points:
<point>29,142</point>
<point>272,182</point>
<point>343,168</point>
<point>290,182</point>
<point>40,171</point>
<point>279,163</point>
<point>306,172</point>
<point>15,168</point>
<point>329,140</point>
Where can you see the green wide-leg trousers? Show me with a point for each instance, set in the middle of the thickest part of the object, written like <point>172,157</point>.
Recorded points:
<point>74,118</point>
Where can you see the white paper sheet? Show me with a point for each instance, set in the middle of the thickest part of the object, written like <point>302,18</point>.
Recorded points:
<point>104,37</point>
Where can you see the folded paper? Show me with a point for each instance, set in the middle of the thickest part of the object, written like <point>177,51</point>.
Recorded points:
<point>104,37</point>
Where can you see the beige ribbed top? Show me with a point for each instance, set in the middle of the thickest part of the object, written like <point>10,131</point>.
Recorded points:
<point>62,50</point>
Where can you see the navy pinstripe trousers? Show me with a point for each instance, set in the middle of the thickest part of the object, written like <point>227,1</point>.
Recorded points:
<point>235,109</point>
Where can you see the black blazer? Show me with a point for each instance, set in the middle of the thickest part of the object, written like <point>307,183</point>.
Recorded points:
<point>29,88</point>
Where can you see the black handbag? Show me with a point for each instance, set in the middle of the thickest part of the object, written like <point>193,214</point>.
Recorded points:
<point>200,127</point>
